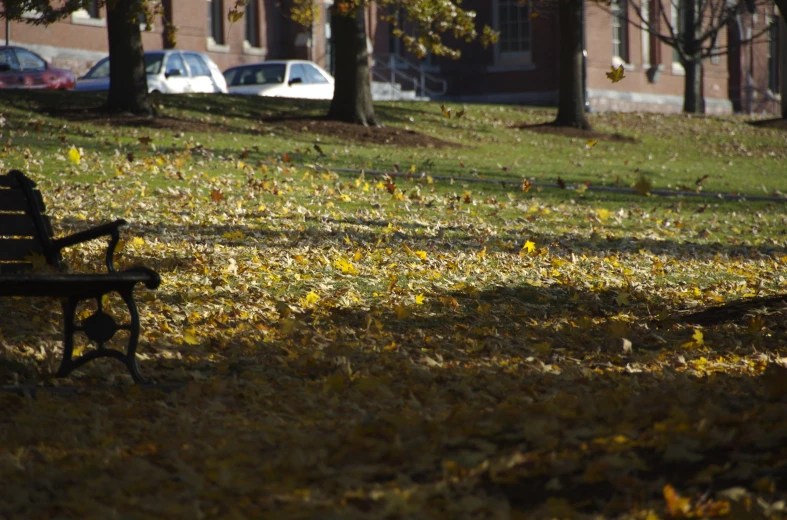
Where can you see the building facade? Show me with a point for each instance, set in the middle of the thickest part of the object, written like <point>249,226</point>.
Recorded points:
<point>521,68</point>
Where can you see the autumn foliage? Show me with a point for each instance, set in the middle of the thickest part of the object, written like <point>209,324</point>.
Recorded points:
<point>332,344</point>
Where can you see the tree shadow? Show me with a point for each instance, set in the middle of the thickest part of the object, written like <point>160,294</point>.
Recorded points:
<point>513,394</point>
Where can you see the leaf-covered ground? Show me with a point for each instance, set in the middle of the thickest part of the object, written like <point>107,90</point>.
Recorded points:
<point>331,345</point>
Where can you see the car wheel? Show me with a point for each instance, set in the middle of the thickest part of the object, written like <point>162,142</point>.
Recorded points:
<point>155,92</point>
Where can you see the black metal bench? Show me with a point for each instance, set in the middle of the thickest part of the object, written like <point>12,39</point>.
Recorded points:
<point>26,234</point>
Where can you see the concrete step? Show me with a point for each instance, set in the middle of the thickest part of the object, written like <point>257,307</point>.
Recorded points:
<point>382,91</point>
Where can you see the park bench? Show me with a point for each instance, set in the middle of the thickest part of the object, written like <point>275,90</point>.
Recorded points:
<point>26,240</point>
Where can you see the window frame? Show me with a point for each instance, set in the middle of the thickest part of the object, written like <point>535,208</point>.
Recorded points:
<point>215,21</point>
<point>621,44</point>
<point>251,15</point>
<point>774,55</point>
<point>513,59</point>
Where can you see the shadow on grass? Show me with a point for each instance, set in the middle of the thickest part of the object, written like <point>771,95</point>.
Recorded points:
<point>457,392</point>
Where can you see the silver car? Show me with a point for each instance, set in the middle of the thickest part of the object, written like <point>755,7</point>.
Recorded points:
<point>169,72</point>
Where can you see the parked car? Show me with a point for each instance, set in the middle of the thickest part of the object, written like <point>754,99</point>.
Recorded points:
<point>169,72</point>
<point>290,78</point>
<point>21,68</point>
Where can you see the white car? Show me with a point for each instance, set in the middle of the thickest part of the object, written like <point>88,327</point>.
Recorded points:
<point>169,72</point>
<point>290,79</point>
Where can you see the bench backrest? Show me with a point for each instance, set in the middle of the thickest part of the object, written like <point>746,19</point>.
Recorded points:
<point>24,229</point>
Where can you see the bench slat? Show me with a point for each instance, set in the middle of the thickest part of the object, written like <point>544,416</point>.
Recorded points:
<point>19,267</point>
<point>14,200</point>
<point>69,285</point>
<point>8,182</point>
<point>18,248</point>
<point>16,225</point>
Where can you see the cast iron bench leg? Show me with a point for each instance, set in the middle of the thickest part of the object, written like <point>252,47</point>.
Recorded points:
<point>100,328</point>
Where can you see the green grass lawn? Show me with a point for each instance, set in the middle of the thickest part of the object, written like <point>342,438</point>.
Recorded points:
<point>345,345</point>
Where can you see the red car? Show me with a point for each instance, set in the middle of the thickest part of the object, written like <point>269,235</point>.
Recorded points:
<point>20,68</point>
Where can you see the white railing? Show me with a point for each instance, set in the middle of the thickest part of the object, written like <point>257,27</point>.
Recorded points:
<point>401,73</point>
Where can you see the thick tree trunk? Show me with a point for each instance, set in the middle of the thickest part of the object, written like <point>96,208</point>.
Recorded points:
<point>693,102</point>
<point>352,96</point>
<point>128,83</point>
<point>571,102</point>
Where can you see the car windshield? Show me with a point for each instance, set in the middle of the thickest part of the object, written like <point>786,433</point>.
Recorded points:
<point>265,74</point>
<point>153,63</point>
<point>101,69</point>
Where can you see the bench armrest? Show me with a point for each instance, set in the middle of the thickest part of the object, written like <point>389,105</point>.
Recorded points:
<point>111,230</point>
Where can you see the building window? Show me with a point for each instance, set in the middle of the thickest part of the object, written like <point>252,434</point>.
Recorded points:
<point>93,9</point>
<point>512,19</point>
<point>89,15</point>
<point>677,23</point>
<point>773,55</point>
<point>646,18</point>
<point>252,16</point>
<point>216,21</point>
<point>620,31</point>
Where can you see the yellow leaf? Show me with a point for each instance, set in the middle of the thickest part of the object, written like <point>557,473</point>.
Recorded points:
<point>38,260</point>
<point>419,300</point>
<point>698,337</point>
<point>120,246</point>
<point>590,144</point>
<point>615,75</point>
<point>345,198</point>
<point>402,312</point>
<point>137,241</point>
<point>529,246</point>
<point>450,301</point>
<point>234,15</point>
<point>603,214</point>
<point>622,298</point>
<point>678,506</point>
<point>312,298</point>
<point>446,111</point>
<point>190,338</point>
<point>345,266</point>
<point>421,255</point>
<point>74,156</point>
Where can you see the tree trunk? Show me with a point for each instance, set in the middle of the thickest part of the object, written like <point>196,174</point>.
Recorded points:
<point>783,55</point>
<point>352,95</point>
<point>571,93</point>
<point>693,102</point>
<point>128,82</point>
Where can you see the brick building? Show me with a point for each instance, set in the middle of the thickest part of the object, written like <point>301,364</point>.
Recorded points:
<point>520,68</point>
